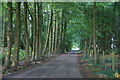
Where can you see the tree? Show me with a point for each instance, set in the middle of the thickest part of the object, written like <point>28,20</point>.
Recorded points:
<point>9,34</point>
<point>40,28</point>
<point>56,32</point>
<point>62,26</point>
<point>26,32</point>
<point>37,33</point>
<point>94,33</point>
<point>17,39</point>
<point>48,33</point>
<point>35,27</point>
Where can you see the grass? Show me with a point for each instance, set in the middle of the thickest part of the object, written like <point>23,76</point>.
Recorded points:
<point>107,72</point>
<point>102,69</point>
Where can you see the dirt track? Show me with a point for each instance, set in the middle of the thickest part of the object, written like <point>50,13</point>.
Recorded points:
<point>64,66</point>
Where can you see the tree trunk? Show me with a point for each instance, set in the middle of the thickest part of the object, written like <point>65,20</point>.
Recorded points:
<point>26,32</point>
<point>4,26</point>
<point>37,34</point>
<point>89,46</point>
<point>113,61</point>
<point>34,41</point>
<point>60,39</point>
<point>38,38</point>
<point>56,34</point>
<point>62,26</point>
<point>48,33</point>
<point>32,23</point>
<point>17,40</point>
<point>94,34</point>
<point>103,57</point>
<point>53,36</point>
<point>64,36</point>
<point>40,28</point>
<point>50,40</point>
<point>9,34</point>
<point>85,49</point>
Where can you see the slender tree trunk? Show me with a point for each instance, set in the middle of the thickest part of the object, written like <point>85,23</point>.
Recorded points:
<point>59,38</point>
<point>103,57</point>
<point>113,61</point>
<point>53,36</point>
<point>94,34</point>
<point>26,32</point>
<point>40,28</point>
<point>4,27</point>
<point>89,46</point>
<point>32,24</point>
<point>48,33</point>
<point>9,34</point>
<point>64,36</point>
<point>85,54</point>
<point>50,40</point>
<point>17,40</point>
<point>49,43</point>
<point>56,34</point>
<point>34,41</point>
<point>62,26</point>
<point>37,34</point>
<point>58,41</point>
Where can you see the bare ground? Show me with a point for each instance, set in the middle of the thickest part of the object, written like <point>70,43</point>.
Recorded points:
<point>63,66</point>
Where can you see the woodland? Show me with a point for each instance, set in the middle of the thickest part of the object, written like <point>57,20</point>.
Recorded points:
<point>34,31</point>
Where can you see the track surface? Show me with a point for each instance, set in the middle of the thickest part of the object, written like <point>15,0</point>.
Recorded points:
<point>64,66</point>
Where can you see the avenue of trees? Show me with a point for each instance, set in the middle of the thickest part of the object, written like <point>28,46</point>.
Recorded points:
<point>32,31</point>
<point>36,30</point>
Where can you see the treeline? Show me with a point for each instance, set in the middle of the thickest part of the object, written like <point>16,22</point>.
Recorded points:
<point>94,28</point>
<point>104,38</point>
<point>32,31</point>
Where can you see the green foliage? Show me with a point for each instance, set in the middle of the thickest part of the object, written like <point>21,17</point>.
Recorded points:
<point>107,72</point>
<point>104,69</point>
<point>21,55</point>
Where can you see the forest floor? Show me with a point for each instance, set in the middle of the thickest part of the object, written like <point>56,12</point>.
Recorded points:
<point>95,70</point>
<point>63,66</point>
